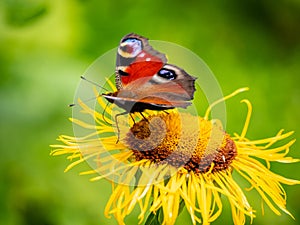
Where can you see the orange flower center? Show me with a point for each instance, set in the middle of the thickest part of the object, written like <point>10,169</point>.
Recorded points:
<point>182,140</point>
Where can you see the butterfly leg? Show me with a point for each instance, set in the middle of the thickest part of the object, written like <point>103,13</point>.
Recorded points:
<point>117,126</point>
<point>103,112</point>
<point>144,117</point>
<point>132,118</point>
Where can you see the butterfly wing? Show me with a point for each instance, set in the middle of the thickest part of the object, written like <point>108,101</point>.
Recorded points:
<point>145,81</point>
<point>171,80</point>
<point>175,82</point>
<point>136,59</point>
<point>169,88</point>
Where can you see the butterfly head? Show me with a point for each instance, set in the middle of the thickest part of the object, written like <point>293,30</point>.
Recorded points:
<point>130,47</point>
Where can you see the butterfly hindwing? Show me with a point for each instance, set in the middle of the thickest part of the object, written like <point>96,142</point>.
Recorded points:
<point>165,90</point>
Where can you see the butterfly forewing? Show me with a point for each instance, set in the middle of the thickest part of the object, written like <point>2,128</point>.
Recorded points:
<point>136,59</point>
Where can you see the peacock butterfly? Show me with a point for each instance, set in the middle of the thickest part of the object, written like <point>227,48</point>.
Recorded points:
<point>145,80</point>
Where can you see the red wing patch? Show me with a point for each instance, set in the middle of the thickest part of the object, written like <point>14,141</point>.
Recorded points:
<point>145,66</point>
<point>144,69</point>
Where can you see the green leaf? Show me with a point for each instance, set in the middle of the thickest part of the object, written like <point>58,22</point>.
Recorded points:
<point>181,206</point>
<point>157,219</point>
<point>152,219</point>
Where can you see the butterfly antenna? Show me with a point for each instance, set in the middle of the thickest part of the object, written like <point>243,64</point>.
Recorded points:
<point>93,98</point>
<point>94,83</point>
<point>87,100</point>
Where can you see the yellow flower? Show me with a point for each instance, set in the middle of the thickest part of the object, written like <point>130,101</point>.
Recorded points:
<point>171,159</point>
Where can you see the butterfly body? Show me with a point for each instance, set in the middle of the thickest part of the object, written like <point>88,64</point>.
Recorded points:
<point>131,106</point>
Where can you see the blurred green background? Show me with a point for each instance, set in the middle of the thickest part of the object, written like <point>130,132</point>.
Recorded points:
<point>46,45</point>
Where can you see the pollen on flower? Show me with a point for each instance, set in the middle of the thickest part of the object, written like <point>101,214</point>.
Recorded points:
<point>170,138</point>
